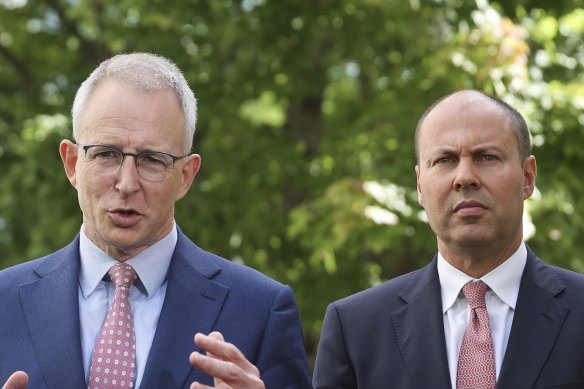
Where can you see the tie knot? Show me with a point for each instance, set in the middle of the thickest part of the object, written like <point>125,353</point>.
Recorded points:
<point>475,293</point>
<point>122,275</point>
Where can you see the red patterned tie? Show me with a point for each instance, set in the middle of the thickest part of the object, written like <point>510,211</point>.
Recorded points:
<point>476,361</point>
<point>114,355</point>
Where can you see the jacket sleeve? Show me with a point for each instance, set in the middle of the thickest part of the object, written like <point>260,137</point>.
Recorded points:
<point>333,368</point>
<point>282,359</point>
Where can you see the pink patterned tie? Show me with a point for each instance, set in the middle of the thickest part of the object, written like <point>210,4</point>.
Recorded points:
<point>114,355</point>
<point>476,360</point>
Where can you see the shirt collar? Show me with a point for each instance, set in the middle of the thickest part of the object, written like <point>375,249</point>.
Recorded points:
<point>504,280</point>
<point>151,265</point>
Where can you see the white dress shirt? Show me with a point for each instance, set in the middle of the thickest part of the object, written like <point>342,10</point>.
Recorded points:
<point>500,300</point>
<point>146,296</point>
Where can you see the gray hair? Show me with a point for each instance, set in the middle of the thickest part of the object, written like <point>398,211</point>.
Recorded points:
<point>143,71</point>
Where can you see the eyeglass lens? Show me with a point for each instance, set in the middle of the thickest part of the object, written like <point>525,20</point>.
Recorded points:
<point>151,165</point>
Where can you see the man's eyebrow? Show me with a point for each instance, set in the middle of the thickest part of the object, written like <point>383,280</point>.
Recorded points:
<point>473,150</point>
<point>485,148</point>
<point>442,150</point>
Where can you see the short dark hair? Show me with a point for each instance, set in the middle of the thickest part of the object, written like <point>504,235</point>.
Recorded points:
<point>518,124</point>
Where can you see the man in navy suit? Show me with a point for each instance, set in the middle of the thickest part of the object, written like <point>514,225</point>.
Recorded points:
<point>133,125</point>
<point>474,170</point>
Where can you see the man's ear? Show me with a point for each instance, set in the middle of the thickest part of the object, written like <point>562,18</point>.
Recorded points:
<point>188,172</point>
<point>69,154</point>
<point>529,175</point>
<point>419,189</point>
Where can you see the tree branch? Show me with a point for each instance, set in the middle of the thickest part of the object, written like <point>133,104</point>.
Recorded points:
<point>18,65</point>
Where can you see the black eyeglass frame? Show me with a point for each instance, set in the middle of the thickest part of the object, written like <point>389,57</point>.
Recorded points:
<point>135,155</point>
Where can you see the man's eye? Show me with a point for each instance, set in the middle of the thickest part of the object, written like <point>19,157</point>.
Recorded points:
<point>153,159</point>
<point>443,160</point>
<point>106,154</point>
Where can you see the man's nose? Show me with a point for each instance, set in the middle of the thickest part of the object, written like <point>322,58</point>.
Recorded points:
<point>128,179</point>
<point>466,175</point>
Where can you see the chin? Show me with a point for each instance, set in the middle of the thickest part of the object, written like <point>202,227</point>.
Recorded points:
<point>472,238</point>
<point>123,241</point>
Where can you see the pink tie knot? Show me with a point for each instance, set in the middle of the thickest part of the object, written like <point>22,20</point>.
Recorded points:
<point>122,275</point>
<point>475,294</point>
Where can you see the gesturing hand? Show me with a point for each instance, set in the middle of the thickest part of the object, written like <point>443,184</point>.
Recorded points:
<point>224,362</point>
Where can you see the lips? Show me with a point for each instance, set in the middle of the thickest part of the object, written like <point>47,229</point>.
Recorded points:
<point>470,208</point>
<point>125,217</point>
<point>469,205</point>
<point>125,211</point>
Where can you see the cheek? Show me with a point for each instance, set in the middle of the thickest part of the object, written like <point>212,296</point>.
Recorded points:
<point>160,196</point>
<point>90,187</point>
<point>434,192</point>
<point>436,205</point>
<point>173,187</point>
<point>167,196</point>
<point>83,177</point>
<point>509,186</point>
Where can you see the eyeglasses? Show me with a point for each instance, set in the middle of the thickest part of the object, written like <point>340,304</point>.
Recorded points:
<point>151,165</point>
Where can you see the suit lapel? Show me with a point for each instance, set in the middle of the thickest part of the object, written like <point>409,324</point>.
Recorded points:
<point>419,329</point>
<point>192,304</point>
<point>51,309</point>
<point>537,321</point>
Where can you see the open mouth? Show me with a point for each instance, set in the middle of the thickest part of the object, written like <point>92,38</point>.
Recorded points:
<point>125,212</point>
<point>125,217</point>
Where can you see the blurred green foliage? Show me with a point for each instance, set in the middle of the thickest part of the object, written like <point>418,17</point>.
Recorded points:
<point>307,112</point>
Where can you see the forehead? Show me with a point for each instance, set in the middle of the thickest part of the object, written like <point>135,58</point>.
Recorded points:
<point>115,110</point>
<point>462,121</point>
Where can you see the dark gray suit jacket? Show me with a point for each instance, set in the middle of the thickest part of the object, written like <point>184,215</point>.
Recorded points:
<point>392,335</point>
<point>40,332</point>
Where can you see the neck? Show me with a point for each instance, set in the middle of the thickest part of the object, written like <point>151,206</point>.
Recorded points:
<point>476,261</point>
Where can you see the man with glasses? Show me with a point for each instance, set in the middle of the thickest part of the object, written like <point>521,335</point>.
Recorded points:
<point>120,305</point>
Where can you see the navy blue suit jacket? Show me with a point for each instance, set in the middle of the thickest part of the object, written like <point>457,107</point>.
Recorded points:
<point>392,335</point>
<point>40,332</point>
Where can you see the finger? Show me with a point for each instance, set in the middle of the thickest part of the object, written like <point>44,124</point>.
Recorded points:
<point>18,380</point>
<point>226,374</point>
<point>219,336</point>
<point>226,351</point>
<point>198,385</point>
<point>217,368</point>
